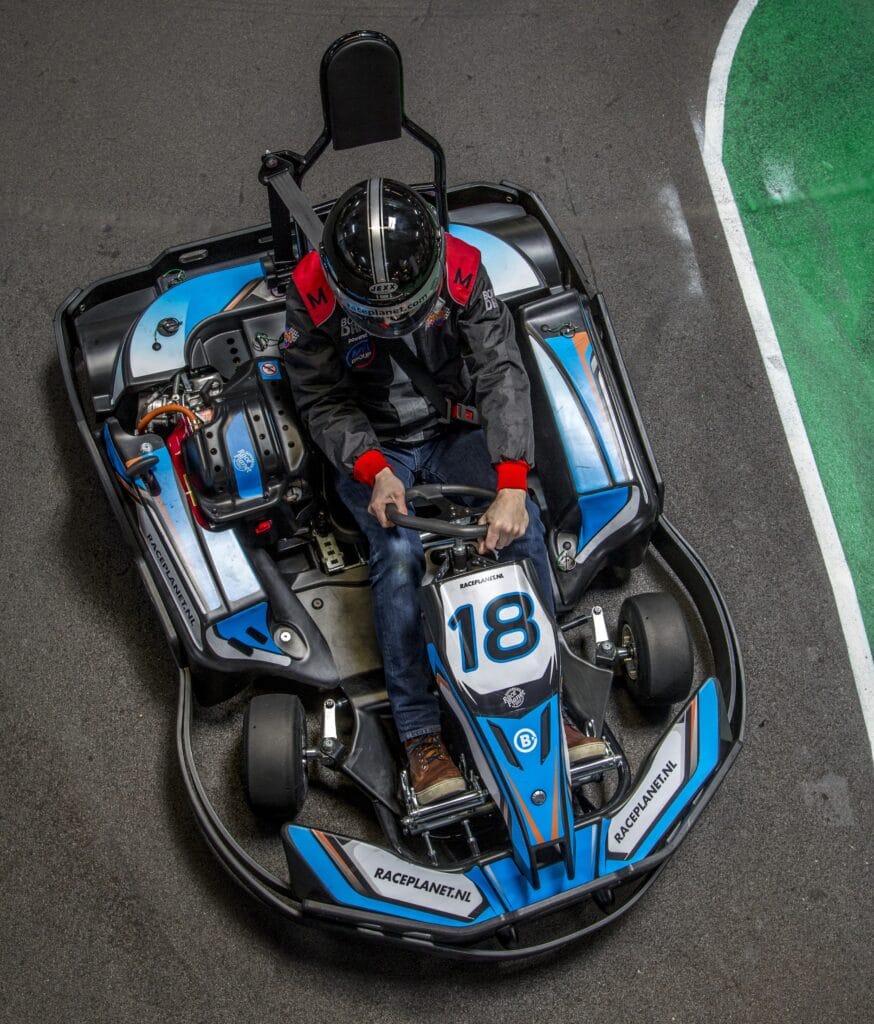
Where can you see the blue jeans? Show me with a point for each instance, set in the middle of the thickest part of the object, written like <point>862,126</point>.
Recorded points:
<point>397,565</point>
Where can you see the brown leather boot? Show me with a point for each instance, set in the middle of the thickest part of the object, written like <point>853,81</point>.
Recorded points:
<point>433,774</point>
<point>581,747</point>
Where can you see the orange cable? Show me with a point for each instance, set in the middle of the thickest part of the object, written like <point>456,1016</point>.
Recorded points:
<point>147,419</point>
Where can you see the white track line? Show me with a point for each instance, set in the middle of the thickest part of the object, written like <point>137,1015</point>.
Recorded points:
<point>676,223</point>
<point>836,563</point>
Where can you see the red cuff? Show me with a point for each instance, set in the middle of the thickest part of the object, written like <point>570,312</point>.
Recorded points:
<point>366,466</point>
<point>512,474</point>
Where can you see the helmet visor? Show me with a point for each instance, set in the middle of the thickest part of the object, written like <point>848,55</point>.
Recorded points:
<point>381,317</point>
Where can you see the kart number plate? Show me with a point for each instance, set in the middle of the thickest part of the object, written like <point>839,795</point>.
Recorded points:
<point>497,630</point>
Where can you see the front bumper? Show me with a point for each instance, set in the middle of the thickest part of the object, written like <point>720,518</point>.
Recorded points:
<point>478,912</point>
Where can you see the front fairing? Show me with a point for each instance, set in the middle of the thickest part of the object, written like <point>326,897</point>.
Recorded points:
<point>495,654</point>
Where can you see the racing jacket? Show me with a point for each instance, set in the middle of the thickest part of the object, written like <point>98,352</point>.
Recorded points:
<point>353,396</point>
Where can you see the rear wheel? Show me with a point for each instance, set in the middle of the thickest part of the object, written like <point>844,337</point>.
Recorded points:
<point>274,755</point>
<point>659,663</point>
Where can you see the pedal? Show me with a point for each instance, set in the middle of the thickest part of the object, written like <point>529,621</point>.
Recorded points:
<point>592,769</point>
<point>330,554</point>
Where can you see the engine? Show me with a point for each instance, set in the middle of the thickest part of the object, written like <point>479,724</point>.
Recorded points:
<point>238,444</point>
<point>242,461</point>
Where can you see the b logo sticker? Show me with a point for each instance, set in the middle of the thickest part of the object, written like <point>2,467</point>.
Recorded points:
<point>525,741</point>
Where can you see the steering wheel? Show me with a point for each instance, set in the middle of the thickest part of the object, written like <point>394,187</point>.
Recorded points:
<point>446,524</point>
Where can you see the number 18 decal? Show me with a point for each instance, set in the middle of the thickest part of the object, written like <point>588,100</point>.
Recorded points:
<point>510,632</point>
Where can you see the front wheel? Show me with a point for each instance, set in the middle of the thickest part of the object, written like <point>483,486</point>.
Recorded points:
<point>659,663</point>
<point>274,756</point>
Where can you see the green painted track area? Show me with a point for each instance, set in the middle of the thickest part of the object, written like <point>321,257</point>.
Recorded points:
<point>799,154</point>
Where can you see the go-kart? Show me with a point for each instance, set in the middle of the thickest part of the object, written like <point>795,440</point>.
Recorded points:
<point>259,578</point>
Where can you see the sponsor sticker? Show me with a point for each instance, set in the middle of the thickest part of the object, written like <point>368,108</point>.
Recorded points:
<point>269,369</point>
<point>445,892</point>
<point>361,354</point>
<point>437,316</point>
<point>632,821</point>
<point>289,336</point>
<point>383,289</point>
<point>481,579</point>
<point>351,332</point>
<point>244,461</point>
<point>514,698</point>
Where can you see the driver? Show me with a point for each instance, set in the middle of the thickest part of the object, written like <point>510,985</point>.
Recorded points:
<point>391,328</point>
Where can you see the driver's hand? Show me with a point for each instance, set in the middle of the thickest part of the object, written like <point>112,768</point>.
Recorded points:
<point>507,518</point>
<point>387,490</point>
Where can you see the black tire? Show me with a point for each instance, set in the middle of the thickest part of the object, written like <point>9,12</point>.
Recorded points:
<point>659,670</point>
<point>274,756</point>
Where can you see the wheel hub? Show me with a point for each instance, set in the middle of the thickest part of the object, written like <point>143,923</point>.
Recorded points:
<point>629,658</point>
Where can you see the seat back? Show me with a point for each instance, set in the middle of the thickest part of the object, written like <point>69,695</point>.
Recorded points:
<point>362,90</point>
<point>362,85</point>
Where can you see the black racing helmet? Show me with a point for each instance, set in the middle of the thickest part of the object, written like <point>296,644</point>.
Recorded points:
<point>383,253</point>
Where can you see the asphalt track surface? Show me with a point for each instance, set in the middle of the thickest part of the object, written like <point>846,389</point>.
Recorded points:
<point>131,126</point>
